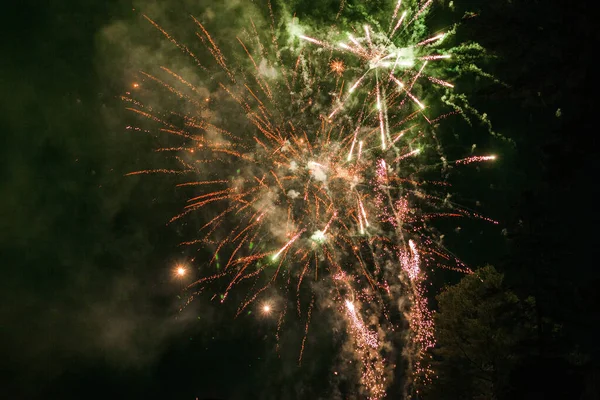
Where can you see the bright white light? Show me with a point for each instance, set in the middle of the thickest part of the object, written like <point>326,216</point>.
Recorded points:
<point>318,171</point>
<point>318,236</point>
<point>349,305</point>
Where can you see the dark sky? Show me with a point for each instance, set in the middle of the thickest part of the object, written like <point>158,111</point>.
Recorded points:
<point>89,306</point>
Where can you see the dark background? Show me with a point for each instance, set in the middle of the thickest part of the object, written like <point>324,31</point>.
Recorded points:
<point>89,305</point>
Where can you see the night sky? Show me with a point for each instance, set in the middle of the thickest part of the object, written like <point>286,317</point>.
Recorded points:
<point>90,307</point>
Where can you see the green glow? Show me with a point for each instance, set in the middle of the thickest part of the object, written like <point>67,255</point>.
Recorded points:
<point>251,245</point>
<point>318,237</point>
<point>294,28</point>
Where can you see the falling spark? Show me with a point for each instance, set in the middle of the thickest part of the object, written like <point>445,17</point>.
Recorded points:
<point>430,40</point>
<point>398,24</point>
<point>395,14</point>
<point>288,244</point>
<point>360,146</point>
<point>312,40</point>
<point>369,338</point>
<point>475,159</point>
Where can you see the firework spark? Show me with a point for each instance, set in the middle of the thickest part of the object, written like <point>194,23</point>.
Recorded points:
<point>266,308</point>
<point>475,159</point>
<point>337,67</point>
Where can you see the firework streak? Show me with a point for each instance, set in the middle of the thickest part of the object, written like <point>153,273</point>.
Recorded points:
<point>313,175</point>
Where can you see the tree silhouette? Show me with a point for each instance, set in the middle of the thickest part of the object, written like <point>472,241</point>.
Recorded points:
<point>483,330</point>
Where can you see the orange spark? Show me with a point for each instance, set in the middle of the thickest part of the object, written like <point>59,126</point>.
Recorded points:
<point>337,67</point>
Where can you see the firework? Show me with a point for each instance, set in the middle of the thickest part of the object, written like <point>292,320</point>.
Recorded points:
<point>337,67</point>
<point>303,190</point>
<point>266,308</point>
<point>392,65</point>
<point>475,159</point>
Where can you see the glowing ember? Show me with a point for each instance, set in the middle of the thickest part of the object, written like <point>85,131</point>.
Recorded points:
<point>337,67</point>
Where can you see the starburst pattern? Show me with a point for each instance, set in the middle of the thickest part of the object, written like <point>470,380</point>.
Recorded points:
<point>304,190</point>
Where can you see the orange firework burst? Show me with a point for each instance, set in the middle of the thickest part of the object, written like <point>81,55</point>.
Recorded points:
<point>337,67</point>
<point>293,195</point>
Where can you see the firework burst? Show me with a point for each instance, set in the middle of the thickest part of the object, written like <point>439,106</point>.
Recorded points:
<point>337,67</point>
<point>303,194</point>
